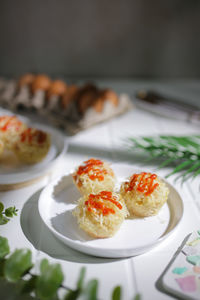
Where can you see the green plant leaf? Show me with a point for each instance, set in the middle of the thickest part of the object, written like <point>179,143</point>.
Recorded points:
<point>189,172</point>
<point>196,173</point>
<point>29,285</point>
<point>181,151</point>
<point>18,264</point>
<point>4,247</point>
<point>72,295</point>
<point>2,264</point>
<point>90,291</point>
<point>44,265</point>
<point>166,162</point>
<point>116,294</point>
<point>81,278</point>
<point>49,281</point>
<point>137,297</point>
<point>180,167</point>
<point>192,168</point>
<point>10,211</point>
<point>1,207</point>
<point>3,220</point>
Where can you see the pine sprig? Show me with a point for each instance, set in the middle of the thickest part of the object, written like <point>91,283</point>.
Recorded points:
<point>6,214</point>
<point>183,152</point>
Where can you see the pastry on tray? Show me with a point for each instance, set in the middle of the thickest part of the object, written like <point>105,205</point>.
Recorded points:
<point>1,147</point>
<point>100,215</point>
<point>29,145</point>
<point>93,176</point>
<point>10,128</point>
<point>32,146</point>
<point>72,107</point>
<point>144,194</point>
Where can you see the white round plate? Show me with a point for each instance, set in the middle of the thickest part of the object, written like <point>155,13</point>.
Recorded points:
<point>135,236</point>
<point>14,173</point>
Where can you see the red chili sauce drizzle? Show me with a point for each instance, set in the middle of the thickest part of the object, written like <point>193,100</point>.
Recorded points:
<point>92,168</point>
<point>145,182</point>
<point>94,203</point>
<point>29,135</point>
<point>10,122</point>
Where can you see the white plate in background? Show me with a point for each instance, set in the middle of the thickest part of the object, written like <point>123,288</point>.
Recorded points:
<point>15,173</point>
<point>135,236</point>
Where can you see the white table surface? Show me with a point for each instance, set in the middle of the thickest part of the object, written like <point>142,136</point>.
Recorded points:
<point>135,274</point>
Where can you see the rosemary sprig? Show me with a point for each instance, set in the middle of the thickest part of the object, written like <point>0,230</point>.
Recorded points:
<point>6,214</point>
<point>181,151</point>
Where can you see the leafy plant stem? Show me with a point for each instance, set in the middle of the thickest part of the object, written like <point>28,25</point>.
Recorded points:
<point>181,151</point>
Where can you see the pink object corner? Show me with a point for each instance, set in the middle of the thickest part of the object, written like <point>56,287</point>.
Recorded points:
<point>187,284</point>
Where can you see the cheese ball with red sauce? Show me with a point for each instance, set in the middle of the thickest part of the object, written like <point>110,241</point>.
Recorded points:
<point>32,146</point>
<point>10,129</point>
<point>93,176</point>
<point>1,147</point>
<point>100,215</point>
<point>144,194</point>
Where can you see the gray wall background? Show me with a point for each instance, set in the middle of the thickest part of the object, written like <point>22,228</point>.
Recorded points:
<point>100,38</point>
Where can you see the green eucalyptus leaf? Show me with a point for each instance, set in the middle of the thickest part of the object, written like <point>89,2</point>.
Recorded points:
<point>137,297</point>
<point>49,281</point>
<point>18,264</point>
<point>2,264</point>
<point>3,220</point>
<point>72,295</point>
<point>81,278</point>
<point>29,285</point>
<point>4,247</point>
<point>116,294</point>
<point>90,291</point>
<point>44,265</point>
<point>1,207</point>
<point>15,211</point>
<point>9,212</point>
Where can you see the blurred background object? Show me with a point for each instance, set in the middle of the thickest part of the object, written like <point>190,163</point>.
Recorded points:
<point>100,38</point>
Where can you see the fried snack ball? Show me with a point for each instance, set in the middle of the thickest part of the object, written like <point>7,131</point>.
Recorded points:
<point>93,176</point>
<point>32,146</point>
<point>144,194</point>
<point>57,87</point>
<point>100,215</point>
<point>1,147</point>
<point>10,129</point>
<point>41,82</point>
